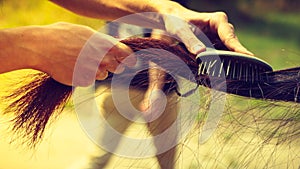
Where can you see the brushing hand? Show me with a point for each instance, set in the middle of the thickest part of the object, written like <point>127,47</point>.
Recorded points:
<point>216,23</point>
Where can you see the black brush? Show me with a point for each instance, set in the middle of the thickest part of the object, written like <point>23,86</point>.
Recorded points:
<point>231,66</point>
<point>248,76</point>
<point>281,85</point>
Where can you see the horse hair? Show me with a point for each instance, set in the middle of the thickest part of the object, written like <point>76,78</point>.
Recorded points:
<point>34,103</point>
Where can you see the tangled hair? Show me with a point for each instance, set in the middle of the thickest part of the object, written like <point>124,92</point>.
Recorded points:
<point>36,102</point>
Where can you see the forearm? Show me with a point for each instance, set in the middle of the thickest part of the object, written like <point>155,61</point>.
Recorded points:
<point>114,9</point>
<point>14,53</point>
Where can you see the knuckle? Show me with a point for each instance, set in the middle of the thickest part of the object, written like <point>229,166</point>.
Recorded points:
<point>230,38</point>
<point>180,30</point>
<point>119,69</point>
<point>231,26</point>
<point>192,41</point>
<point>221,15</point>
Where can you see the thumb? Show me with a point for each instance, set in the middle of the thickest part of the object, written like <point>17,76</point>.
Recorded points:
<point>182,29</point>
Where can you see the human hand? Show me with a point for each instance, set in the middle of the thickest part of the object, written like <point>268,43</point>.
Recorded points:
<point>157,15</point>
<point>216,22</point>
<point>59,47</point>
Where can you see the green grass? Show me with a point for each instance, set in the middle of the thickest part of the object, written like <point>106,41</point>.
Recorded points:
<point>274,37</point>
<point>277,52</point>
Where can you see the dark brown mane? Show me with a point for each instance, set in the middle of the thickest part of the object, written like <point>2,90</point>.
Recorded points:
<point>34,103</point>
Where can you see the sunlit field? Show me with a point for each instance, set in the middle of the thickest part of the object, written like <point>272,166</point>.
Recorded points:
<point>251,134</point>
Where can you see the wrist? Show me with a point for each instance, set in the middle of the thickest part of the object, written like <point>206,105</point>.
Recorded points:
<point>21,48</point>
<point>35,43</point>
<point>169,8</point>
<point>29,43</point>
<point>13,53</point>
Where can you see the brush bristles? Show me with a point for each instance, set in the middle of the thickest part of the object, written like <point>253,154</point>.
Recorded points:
<point>244,70</point>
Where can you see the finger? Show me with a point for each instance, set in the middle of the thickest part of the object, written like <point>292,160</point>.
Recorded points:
<point>101,74</point>
<point>111,64</point>
<point>84,78</point>
<point>182,29</point>
<point>104,45</point>
<point>123,54</point>
<point>225,30</point>
<point>115,67</point>
<point>230,40</point>
<point>192,43</point>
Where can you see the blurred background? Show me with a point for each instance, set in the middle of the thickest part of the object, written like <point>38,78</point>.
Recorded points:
<point>268,28</point>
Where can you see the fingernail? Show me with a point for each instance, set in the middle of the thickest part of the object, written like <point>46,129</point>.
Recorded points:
<point>198,48</point>
<point>101,75</point>
<point>130,61</point>
<point>242,49</point>
<point>119,69</point>
<point>245,51</point>
<point>250,53</point>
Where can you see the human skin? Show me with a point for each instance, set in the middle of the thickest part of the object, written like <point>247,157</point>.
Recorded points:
<point>54,49</point>
<point>175,19</point>
<point>175,22</point>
